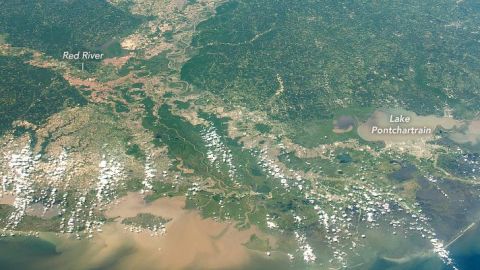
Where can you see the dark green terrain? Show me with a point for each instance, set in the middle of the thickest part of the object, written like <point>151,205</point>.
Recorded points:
<point>330,54</point>
<point>31,93</point>
<point>55,26</point>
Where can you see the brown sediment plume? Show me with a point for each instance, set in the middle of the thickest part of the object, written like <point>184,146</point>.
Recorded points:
<point>190,240</point>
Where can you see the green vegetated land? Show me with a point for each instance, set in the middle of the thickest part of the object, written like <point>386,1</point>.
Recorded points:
<point>31,93</point>
<point>340,54</point>
<point>145,220</point>
<point>150,67</point>
<point>54,26</point>
<point>185,143</point>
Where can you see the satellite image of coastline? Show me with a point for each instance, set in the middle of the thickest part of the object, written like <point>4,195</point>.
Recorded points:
<point>240,134</point>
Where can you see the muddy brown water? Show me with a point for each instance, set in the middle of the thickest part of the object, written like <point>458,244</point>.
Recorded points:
<point>190,242</point>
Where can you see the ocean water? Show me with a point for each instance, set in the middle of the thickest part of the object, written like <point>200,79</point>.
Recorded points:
<point>25,253</point>
<point>29,253</point>
<point>466,250</point>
